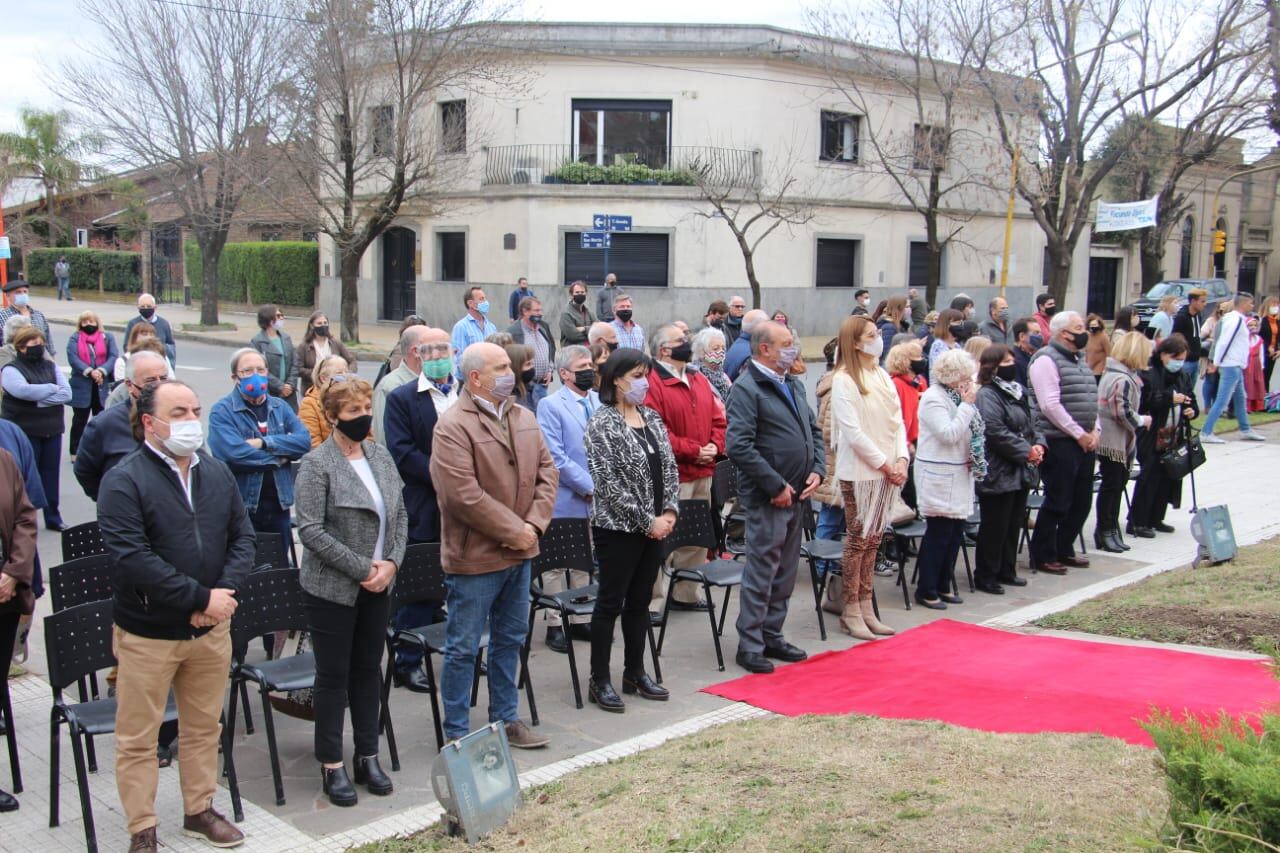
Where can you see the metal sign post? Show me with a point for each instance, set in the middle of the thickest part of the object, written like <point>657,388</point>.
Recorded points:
<point>604,224</point>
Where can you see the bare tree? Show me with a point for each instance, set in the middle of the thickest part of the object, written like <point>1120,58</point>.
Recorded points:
<point>939,161</point>
<point>1273,50</point>
<point>383,115</point>
<point>1084,78</point>
<point>752,205</point>
<point>190,92</point>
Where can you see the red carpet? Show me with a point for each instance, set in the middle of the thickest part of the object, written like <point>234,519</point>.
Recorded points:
<point>1000,681</point>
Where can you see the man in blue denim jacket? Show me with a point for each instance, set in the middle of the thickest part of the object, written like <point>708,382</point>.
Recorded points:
<point>257,435</point>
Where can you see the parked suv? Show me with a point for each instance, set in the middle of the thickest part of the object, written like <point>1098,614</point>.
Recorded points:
<point>1146,307</point>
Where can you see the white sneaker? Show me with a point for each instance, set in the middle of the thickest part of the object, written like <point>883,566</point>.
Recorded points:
<point>1210,438</point>
<point>1250,435</point>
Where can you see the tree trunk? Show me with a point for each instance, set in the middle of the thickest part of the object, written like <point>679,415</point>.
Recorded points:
<point>211,246</point>
<point>349,270</point>
<point>1151,255</point>
<point>934,268</point>
<point>1059,272</point>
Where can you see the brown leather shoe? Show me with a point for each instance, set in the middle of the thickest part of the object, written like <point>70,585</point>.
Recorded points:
<point>144,841</point>
<point>1049,568</point>
<point>213,828</point>
<point>1075,562</point>
<point>522,737</point>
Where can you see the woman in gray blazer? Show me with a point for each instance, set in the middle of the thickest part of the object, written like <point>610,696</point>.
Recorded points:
<point>354,528</point>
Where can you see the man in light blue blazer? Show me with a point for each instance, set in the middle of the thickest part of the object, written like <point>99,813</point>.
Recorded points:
<point>563,418</point>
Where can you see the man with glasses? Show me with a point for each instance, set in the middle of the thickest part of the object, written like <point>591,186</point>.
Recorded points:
<point>109,437</point>
<point>532,331</point>
<point>695,422</point>
<point>408,428</point>
<point>733,322</point>
<point>259,437</point>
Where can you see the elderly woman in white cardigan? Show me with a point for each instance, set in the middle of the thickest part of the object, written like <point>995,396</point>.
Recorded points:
<point>950,457</point>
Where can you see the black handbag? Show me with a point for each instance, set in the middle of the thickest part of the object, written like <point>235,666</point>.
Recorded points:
<point>1183,458</point>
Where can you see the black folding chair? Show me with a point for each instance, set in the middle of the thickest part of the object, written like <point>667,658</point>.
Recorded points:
<point>421,578</point>
<point>270,551</point>
<point>693,528</point>
<point>724,489</point>
<point>269,601</point>
<point>911,532</point>
<point>969,539</point>
<point>830,551</point>
<point>77,641</point>
<point>83,540</point>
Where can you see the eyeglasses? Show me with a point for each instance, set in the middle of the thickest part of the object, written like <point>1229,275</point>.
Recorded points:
<point>434,349</point>
<point>256,371</point>
<point>343,377</point>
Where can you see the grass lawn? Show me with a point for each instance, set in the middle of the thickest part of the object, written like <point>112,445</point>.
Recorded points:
<point>1226,424</point>
<point>1234,605</point>
<point>824,783</point>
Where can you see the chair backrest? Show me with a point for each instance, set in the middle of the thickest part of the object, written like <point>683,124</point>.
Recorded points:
<point>566,544</point>
<point>268,601</point>
<point>81,581</point>
<point>421,576</point>
<point>83,540</point>
<point>693,527</point>
<point>270,551</point>
<point>724,483</point>
<point>77,641</point>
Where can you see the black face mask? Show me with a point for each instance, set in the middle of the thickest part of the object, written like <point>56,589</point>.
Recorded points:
<point>34,353</point>
<point>683,353</point>
<point>356,429</point>
<point>624,315</point>
<point>321,331</point>
<point>585,379</point>
<point>147,313</point>
<point>579,298</point>
<point>1050,310</point>
<point>1007,372</point>
<point>1080,339</point>
<point>89,329</point>
<point>919,366</point>
<point>1036,341</point>
<point>716,324</point>
<point>611,345</point>
<point>526,376</point>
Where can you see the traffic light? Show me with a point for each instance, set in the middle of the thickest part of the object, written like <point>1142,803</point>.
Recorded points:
<point>1219,242</point>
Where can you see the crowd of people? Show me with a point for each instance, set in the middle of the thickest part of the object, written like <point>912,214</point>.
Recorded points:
<point>478,438</point>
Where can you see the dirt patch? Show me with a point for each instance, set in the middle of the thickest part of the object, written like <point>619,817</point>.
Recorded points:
<point>824,783</point>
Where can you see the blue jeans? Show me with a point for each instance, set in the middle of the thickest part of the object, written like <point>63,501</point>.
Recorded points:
<point>830,526</point>
<point>537,393</point>
<point>64,288</point>
<point>499,601</point>
<point>1230,390</point>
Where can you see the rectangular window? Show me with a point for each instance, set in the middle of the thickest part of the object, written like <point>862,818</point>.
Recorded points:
<point>918,264</point>
<point>272,236</point>
<point>451,249</point>
<point>840,137</point>
<point>930,147</point>
<point>616,132</point>
<point>837,264</point>
<point>638,260</point>
<point>453,127</point>
<point>382,130</point>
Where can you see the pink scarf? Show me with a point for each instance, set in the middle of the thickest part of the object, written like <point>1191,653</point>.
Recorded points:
<point>92,349</point>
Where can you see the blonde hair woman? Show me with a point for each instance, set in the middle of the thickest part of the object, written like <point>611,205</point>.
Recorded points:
<point>311,409</point>
<point>1119,393</point>
<point>975,346</point>
<point>871,464</point>
<point>91,357</point>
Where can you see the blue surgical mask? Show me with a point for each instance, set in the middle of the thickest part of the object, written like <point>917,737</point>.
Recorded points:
<point>1174,365</point>
<point>253,386</point>
<point>1037,341</point>
<point>21,300</point>
<point>483,307</point>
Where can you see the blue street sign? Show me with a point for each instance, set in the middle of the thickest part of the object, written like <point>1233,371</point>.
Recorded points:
<point>595,240</point>
<point>600,221</point>
<point>610,222</point>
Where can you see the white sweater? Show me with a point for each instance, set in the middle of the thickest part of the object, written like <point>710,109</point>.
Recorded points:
<point>867,431</point>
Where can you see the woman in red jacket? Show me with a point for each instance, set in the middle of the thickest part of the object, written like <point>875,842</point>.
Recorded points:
<point>906,364</point>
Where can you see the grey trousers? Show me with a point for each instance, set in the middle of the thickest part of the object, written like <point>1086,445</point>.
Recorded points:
<point>773,555</point>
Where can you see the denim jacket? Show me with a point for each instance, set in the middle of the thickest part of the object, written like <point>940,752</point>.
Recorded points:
<point>232,423</point>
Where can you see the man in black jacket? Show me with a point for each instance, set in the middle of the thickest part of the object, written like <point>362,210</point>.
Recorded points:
<point>774,442</point>
<point>176,530</point>
<point>1187,323</point>
<point>108,438</point>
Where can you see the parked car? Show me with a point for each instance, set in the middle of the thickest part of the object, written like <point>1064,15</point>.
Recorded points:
<point>1146,307</point>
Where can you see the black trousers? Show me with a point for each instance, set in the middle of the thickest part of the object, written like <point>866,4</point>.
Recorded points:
<point>80,416</point>
<point>1115,475</point>
<point>1067,477</point>
<point>628,567</point>
<point>997,552</point>
<point>1152,493</point>
<point>939,548</point>
<point>348,640</point>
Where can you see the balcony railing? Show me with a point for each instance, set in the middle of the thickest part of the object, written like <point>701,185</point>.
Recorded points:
<point>662,166</point>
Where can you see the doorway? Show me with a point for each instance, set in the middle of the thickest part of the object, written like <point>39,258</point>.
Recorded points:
<point>1103,273</point>
<point>399,247</point>
<point>1248,278</point>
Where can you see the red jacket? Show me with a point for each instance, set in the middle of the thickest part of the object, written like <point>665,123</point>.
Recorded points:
<point>694,417</point>
<point>909,394</point>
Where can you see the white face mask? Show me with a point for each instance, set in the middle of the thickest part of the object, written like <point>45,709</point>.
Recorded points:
<point>185,437</point>
<point>278,325</point>
<point>875,348</point>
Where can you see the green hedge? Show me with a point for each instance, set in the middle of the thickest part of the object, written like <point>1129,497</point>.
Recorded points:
<point>121,271</point>
<point>626,173</point>
<point>260,273</point>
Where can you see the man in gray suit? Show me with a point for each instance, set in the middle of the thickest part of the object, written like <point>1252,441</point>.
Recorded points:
<point>774,441</point>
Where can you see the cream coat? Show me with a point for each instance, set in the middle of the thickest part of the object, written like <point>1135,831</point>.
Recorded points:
<point>866,430</point>
<point>942,475</point>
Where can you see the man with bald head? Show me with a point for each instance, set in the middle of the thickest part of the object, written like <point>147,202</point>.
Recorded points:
<point>496,487</point>
<point>408,371</point>
<point>109,437</point>
<point>776,446</point>
<point>740,352</point>
<point>603,332</point>
<point>147,314</point>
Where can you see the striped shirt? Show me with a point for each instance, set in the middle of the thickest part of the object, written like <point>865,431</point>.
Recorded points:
<point>541,351</point>
<point>632,338</point>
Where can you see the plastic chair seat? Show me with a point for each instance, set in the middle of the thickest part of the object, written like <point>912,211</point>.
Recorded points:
<point>715,573</point>
<point>823,549</point>
<point>295,672</point>
<point>911,530</point>
<point>431,638</point>
<point>98,717</point>
<point>564,599</point>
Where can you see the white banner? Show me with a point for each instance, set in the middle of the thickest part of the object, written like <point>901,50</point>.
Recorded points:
<point>1126,216</point>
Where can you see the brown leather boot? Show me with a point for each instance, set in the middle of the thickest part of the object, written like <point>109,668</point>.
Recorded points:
<point>852,623</point>
<point>144,841</point>
<point>869,617</point>
<point>213,828</point>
